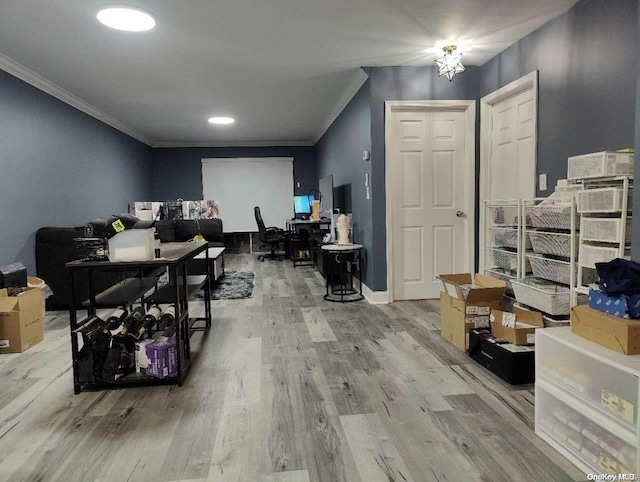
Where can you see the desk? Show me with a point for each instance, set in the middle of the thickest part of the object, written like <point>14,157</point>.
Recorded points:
<point>142,290</point>
<point>300,246</point>
<point>294,224</point>
<point>345,257</point>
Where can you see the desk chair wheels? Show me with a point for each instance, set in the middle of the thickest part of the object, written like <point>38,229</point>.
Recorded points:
<point>272,255</point>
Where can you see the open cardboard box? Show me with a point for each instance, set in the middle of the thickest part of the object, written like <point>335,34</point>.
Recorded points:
<point>462,310</point>
<point>619,334</point>
<point>524,333</point>
<point>21,320</point>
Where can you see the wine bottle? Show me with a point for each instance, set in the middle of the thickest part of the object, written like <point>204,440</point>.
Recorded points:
<point>151,317</point>
<point>134,321</point>
<point>168,317</point>
<point>115,319</point>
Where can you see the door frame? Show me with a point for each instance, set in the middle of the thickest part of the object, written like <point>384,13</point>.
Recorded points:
<point>526,82</point>
<point>469,109</point>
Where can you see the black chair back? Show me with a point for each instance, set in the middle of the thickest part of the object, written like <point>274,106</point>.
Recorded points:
<point>261,228</point>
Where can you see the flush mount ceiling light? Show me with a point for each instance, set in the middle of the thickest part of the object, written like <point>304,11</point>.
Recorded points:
<point>450,64</point>
<point>221,120</point>
<point>126,18</point>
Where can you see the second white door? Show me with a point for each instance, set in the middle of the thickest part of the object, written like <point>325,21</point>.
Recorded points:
<point>428,199</point>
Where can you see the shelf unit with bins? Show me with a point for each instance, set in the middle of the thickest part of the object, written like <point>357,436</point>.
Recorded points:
<point>142,290</point>
<point>501,252</point>
<point>603,206</point>
<point>587,400</point>
<point>552,254</point>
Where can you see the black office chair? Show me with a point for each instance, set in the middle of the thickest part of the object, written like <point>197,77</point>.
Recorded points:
<point>269,236</point>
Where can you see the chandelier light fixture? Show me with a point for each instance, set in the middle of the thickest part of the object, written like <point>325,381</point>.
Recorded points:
<point>450,64</point>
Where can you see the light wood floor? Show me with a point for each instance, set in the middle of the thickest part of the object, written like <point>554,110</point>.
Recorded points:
<point>284,387</point>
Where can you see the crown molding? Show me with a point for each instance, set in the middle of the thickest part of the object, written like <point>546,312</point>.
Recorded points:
<point>358,80</point>
<point>169,144</point>
<point>30,77</point>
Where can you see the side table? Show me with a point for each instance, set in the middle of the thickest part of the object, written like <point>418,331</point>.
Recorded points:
<point>346,257</point>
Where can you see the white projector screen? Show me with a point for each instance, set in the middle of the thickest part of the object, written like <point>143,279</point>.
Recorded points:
<point>240,184</point>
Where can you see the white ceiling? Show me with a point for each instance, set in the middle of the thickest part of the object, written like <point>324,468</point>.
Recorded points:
<point>282,68</point>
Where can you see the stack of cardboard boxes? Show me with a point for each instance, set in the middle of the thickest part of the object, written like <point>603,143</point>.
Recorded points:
<point>472,320</point>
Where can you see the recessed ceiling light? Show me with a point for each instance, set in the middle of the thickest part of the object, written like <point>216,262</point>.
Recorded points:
<point>221,120</point>
<point>126,18</point>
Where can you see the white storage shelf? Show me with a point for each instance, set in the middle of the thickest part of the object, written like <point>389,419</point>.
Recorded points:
<point>556,244</point>
<point>505,259</point>
<point>587,401</point>
<point>506,237</point>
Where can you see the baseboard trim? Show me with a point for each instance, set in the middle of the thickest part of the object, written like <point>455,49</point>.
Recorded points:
<point>374,297</point>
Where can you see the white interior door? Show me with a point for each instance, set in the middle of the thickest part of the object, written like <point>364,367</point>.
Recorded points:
<point>508,140</point>
<point>427,170</point>
<point>512,162</point>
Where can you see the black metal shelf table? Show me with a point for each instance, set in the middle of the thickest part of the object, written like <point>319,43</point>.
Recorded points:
<point>347,257</point>
<point>173,257</point>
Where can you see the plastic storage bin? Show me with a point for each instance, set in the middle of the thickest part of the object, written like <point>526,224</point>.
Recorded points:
<point>550,216</point>
<point>132,245</point>
<point>557,244</point>
<point>504,215</point>
<point>592,444</point>
<point>506,237</point>
<point>554,301</point>
<point>573,367</point>
<point>507,260</point>
<point>592,254</point>
<point>605,230</point>
<point>604,200</point>
<point>551,269</point>
<point>600,164</point>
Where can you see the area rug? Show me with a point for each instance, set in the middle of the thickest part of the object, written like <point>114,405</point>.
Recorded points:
<point>234,285</point>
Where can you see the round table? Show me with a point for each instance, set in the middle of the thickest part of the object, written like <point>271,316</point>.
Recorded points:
<point>346,256</point>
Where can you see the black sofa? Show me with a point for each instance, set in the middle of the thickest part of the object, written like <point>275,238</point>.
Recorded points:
<point>55,247</point>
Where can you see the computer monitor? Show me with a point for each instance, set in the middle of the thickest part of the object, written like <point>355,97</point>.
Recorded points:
<point>302,204</point>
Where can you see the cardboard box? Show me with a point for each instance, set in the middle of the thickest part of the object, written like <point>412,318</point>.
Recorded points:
<point>463,308</point>
<point>162,357</point>
<point>513,363</point>
<point>21,320</point>
<point>518,335</point>
<point>617,333</point>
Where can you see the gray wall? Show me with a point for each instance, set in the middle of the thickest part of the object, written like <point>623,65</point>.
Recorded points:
<point>586,60</point>
<point>59,167</point>
<point>402,83</point>
<point>339,152</point>
<point>177,172</point>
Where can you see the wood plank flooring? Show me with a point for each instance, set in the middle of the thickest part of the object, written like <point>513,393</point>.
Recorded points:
<point>285,387</point>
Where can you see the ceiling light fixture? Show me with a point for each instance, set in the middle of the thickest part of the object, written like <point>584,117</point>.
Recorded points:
<point>450,64</point>
<point>221,120</point>
<point>126,18</point>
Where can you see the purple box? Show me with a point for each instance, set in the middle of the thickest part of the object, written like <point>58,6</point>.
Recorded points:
<point>163,359</point>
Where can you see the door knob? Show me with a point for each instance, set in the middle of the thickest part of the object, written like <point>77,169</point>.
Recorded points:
<point>460,214</point>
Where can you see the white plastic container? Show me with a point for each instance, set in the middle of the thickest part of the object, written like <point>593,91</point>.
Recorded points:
<point>605,200</point>
<point>132,245</point>
<point>600,164</point>
<point>605,230</point>
<point>552,301</point>
<point>577,369</point>
<point>592,254</point>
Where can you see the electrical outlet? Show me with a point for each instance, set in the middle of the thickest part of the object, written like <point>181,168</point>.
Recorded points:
<point>542,182</point>
<point>298,184</point>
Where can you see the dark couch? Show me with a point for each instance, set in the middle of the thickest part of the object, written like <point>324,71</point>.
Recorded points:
<point>55,247</point>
